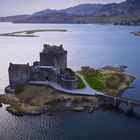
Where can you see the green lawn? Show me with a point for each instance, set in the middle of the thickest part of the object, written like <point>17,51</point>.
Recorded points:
<point>81,84</point>
<point>92,73</point>
<point>95,79</point>
<point>96,84</point>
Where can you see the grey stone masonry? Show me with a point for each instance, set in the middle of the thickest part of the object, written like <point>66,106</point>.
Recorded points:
<point>19,74</point>
<point>53,60</point>
<point>53,56</point>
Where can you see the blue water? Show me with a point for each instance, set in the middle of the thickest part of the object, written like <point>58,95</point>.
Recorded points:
<point>93,45</point>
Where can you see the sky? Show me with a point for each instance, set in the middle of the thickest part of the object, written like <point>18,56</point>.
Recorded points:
<point>16,7</point>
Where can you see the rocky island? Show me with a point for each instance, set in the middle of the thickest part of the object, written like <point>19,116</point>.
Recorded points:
<point>136,33</point>
<point>48,85</point>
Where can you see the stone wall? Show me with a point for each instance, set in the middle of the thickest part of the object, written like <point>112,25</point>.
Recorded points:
<point>47,60</point>
<point>43,74</point>
<point>53,56</point>
<point>53,59</point>
<point>70,83</point>
<point>18,75</point>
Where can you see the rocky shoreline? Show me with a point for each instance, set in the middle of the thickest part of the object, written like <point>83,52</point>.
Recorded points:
<point>44,99</point>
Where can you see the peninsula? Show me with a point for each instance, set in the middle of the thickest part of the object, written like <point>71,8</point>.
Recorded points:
<point>49,85</point>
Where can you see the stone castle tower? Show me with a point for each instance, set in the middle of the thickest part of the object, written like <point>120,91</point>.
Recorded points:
<point>52,67</point>
<point>53,56</point>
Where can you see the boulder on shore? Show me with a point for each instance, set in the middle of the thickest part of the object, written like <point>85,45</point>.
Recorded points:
<point>79,109</point>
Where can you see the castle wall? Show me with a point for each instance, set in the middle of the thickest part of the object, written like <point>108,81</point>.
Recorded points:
<point>34,74</point>
<point>43,74</point>
<point>70,83</point>
<point>47,60</point>
<point>18,77</point>
<point>53,56</point>
<point>62,60</point>
<point>54,75</point>
<point>53,59</point>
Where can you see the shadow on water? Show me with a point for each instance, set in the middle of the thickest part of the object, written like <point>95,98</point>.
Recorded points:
<point>118,109</point>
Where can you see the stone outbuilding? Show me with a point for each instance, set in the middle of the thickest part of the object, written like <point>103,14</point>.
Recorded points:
<point>19,74</point>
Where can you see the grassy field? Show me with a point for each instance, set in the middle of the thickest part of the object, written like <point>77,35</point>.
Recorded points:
<point>95,79</point>
<point>81,85</point>
<point>96,84</point>
<point>112,80</point>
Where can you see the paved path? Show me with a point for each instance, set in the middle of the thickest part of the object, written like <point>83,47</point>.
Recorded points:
<point>87,90</point>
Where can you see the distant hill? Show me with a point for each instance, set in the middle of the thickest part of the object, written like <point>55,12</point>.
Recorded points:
<point>127,7</point>
<point>125,13</point>
<point>45,12</point>
<point>124,8</point>
<point>13,18</point>
<point>51,18</point>
<point>83,9</point>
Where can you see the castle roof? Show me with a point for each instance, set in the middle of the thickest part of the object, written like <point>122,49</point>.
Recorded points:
<point>53,49</point>
<point>16,67</point>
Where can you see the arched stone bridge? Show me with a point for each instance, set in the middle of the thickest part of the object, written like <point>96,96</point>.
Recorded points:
<point>118,100</point>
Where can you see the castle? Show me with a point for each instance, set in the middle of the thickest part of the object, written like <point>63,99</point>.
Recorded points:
<point>51,67</point>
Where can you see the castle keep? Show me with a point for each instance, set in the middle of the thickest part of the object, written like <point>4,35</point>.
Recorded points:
<point>51,67</point>
<point>54,56</point>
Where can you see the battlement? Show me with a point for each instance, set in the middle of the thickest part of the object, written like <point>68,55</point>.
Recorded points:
<point>53,49</point>
<point>16,67</point>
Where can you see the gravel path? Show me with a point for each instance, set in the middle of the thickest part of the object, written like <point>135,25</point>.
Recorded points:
<point>86,91</point>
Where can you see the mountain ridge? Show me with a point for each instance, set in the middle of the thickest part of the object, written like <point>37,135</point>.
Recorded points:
<point>127,12</point>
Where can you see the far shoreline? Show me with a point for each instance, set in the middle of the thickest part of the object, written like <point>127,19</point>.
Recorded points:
<point>72,23</point>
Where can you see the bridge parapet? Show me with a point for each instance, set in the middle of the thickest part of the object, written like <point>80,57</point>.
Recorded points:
<point>118,100</point>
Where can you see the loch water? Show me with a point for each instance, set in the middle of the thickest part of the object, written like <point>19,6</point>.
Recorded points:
<point>87,44</point>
